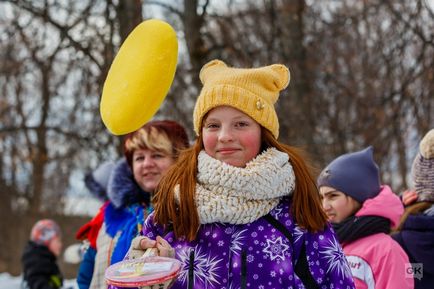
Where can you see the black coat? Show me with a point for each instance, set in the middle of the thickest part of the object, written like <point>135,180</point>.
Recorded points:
<point>40,270</point>
<point>417,239</point>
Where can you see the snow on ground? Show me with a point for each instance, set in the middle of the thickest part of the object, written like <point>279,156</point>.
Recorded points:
<point>14,282</point>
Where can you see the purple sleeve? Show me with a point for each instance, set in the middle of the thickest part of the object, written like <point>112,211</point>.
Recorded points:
<point>327,262</point>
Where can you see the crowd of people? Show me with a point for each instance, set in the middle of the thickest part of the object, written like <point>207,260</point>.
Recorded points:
<point>240,209</point>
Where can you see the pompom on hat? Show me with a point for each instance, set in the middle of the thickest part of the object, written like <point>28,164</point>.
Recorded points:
<point>423,169</point>
<point>354,174</point>
<point>44,231</point>
<point>253,91</point>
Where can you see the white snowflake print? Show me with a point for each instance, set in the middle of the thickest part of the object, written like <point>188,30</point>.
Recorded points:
<point>220,243</point>
<point>276,212</point>
<point>250,258</point>
<point>276,249</point>
<point>273,273</point>
<point>205,268</point>
<point>237,240</point>
<point>335,258</point>
<point>298,233</point>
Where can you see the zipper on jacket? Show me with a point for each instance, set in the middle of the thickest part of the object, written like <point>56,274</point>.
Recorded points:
<point>243,269</point>
<point>191,270</point>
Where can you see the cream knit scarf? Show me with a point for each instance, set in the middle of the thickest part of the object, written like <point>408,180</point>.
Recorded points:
<point>234,195</point>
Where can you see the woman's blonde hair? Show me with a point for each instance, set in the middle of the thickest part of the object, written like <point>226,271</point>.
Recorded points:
<point>183,217</point>
<point>166,136</point>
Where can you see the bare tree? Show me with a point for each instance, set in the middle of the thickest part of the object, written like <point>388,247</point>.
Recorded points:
<point>54,65</point>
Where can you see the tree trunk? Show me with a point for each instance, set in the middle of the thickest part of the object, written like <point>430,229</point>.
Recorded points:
<point>129,14</point>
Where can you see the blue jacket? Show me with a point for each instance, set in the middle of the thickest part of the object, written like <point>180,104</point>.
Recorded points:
<point>85,271</point>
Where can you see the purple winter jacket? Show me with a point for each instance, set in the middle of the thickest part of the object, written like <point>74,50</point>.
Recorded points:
<point>255,255</point>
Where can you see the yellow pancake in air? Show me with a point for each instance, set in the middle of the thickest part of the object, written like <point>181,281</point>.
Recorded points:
<point>139,77</point>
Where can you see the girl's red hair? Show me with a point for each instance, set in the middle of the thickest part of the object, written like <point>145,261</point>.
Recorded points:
<point>306,205</point>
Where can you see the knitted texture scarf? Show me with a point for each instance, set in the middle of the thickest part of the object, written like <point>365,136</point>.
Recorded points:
<point>234,195</point>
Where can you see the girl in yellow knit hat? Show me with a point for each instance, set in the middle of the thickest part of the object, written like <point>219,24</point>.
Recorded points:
<point>240,209</point>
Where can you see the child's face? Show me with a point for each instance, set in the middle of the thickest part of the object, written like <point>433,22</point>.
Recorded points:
<point>149,166</point>
<point>337,205</point>
<point>231,136</point>
<point>55,246</point>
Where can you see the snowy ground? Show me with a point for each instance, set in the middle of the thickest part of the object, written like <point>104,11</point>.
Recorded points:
<point>10,282</point>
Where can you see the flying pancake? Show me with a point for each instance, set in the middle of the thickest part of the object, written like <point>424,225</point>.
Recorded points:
<point>139,77</point>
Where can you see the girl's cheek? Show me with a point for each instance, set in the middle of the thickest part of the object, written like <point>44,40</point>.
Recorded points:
<point>209,141</point>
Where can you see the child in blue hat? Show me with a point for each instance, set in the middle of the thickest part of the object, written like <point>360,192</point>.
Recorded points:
<point>362,212</point>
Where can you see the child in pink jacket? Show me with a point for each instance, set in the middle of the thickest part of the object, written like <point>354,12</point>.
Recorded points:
<point>362,213</point>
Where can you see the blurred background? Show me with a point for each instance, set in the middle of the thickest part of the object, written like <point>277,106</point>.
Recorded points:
<point>362,73</point>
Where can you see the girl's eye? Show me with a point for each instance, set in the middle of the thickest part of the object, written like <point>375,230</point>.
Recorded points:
<point>139,158</point>
<point>158,156</point>
<point>242,124</point>
<point>211,125</point>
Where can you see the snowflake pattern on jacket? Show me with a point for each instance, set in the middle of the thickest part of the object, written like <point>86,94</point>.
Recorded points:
<point>255,255</point>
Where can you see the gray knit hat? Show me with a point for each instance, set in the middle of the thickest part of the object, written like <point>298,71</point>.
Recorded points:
<point>97,181</point>
<point>423,169</point>
<point>354,174</point>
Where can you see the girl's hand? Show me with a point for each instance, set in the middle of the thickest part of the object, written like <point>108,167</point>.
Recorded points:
<point>139,246</point>
<point>164,248</point>
<point>409,197</point>
<point>143,246</point>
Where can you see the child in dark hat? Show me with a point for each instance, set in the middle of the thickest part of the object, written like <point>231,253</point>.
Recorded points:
<point>362,212</point>
<point>416,229</point>
<point>40,269</point>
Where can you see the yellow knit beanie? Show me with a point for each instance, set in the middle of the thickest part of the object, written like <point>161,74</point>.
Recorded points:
<point>254,91</point>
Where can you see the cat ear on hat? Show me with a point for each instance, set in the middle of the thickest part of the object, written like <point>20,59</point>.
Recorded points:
<point>281,76</point>
<point>208,68</point>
